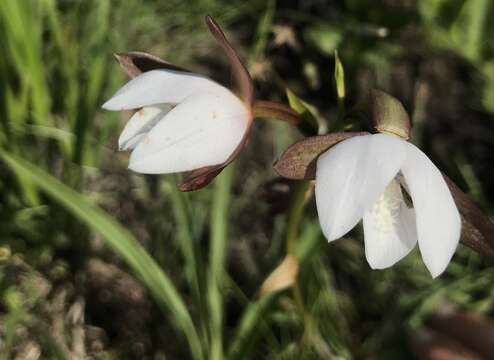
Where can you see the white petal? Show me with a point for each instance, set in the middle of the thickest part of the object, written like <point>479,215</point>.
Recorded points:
<point>160,86</point>
<point>438,220</point>
<point>203,130</point>
<point>351,176</point>
<point>140,124</point>
<point>389,229</point>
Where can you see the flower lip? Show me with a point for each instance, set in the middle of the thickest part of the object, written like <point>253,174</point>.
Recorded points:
<point>389,228</point>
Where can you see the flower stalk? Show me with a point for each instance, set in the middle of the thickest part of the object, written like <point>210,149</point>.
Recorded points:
<point>299,199</point>
<point>278,111</point>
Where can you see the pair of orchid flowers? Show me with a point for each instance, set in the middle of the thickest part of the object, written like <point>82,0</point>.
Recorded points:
<point>187,122</point>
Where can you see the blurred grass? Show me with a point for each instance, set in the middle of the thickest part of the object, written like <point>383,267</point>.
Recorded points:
<point>117,238</point>
<point>66,197</point>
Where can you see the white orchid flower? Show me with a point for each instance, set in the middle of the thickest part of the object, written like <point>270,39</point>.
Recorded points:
<point>382,179</point>
<point>367,178</point>
<point>185,121</point>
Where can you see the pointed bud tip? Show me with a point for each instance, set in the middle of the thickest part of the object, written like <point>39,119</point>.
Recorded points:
<point>212,24</point>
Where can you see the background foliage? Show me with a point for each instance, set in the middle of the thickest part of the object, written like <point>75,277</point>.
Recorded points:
<point>120,265</point>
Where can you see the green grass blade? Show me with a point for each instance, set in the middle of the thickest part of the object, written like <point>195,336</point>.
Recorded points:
<point>23,23</point>
<point>468,31</point>
<point>339,78</point>
<point>117,238</point>
<point>247,330</point>
<point>263,31</point>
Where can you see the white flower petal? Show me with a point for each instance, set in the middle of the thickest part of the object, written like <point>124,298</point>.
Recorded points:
<point>140,124</point>
<point>204,130</point>
<point>351,176</point>
<point>389,229</point>
<point>438,220</point>
<point>160,86</point>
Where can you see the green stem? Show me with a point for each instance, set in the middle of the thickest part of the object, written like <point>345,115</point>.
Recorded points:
<point>294,220</point>
<point>295,215</point>
<point>190,252</point>
<point>217,252</point>
<point>186,240</point>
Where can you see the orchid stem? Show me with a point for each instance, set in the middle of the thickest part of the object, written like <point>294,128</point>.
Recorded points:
<point>217,255</point>
<point>274,110</point>
<point>190,252</point>
<point>294,220</point>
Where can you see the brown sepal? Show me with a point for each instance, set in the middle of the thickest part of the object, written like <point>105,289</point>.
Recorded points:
<point>135,63</point>
<point>241,75</point>
<point>298,162</point>
<point>477,231</point>
<point>389,115</point>
<point>200,178</point>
